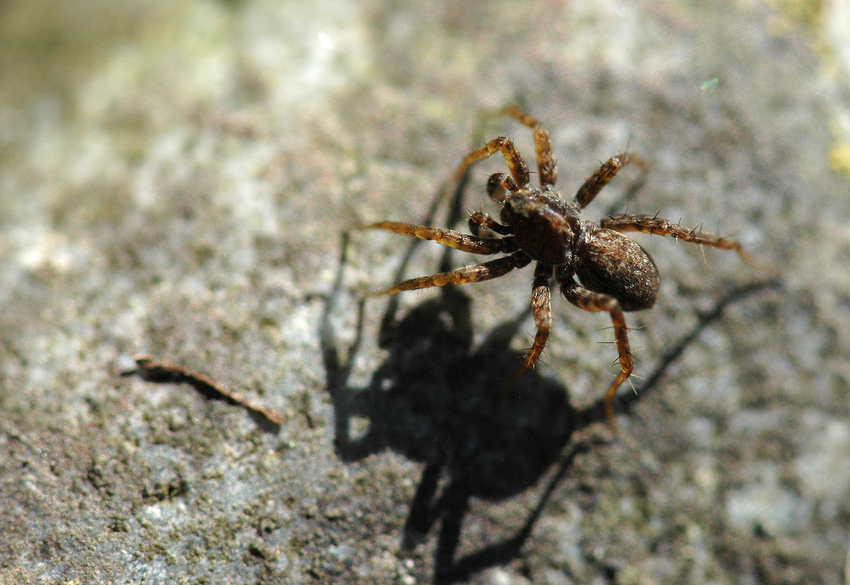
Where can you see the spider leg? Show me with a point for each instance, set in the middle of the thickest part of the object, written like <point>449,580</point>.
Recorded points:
<point>516,164</point>
<point>479,220</point>
<point>603,175</point>
<point>541,308</point>
<point>451,238</point>
<point>542,144</point>
<point>650,224</point>
<point>594,302</point>
<point>475,273</point>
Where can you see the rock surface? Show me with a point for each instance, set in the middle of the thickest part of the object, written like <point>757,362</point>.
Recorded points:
<point>174,180</point>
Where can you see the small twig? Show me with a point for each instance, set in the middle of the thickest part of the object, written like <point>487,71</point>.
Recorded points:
<point>157,371</point>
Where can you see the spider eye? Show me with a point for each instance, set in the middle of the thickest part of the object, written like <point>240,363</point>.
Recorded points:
<point>496,189</point>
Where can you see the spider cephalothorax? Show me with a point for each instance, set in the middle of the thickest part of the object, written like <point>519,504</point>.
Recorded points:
<point>614,273</point>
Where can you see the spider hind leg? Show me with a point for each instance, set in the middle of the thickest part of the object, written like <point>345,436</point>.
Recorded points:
<point>595,302</point>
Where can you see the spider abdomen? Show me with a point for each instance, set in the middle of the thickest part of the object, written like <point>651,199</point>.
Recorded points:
<point>609,262</point>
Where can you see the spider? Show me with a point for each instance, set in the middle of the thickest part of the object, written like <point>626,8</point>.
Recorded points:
<point>615,274</point>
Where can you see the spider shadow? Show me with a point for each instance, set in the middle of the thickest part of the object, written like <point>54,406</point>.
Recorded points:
<point>440,400</point>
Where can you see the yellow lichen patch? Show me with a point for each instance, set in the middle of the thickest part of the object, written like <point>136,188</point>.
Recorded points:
<point>805,12</point>
<point>839,158</point>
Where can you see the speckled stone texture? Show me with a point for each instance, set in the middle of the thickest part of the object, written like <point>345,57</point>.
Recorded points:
<point>174,180</point>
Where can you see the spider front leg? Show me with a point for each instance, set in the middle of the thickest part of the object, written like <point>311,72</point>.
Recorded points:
<point>514,160</point>
<point>604,174</point>
<point>595,302</point>
<point>542,144</point>
<point>451,238</point>
<point>652,224</point>
<point>475,273</point>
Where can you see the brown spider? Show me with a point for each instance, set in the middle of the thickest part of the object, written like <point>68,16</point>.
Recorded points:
<point>615,273</point>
